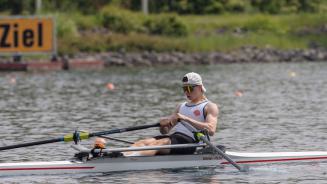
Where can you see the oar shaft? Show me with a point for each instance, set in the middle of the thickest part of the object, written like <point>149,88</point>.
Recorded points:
<point>115,139</point>
<point>123,130</point>
<point>31,144</point>
<point>82,135</point>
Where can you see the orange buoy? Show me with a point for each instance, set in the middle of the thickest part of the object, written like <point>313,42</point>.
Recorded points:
<point>239,93</point>
<point>110,86</point>
<point>12,79</point>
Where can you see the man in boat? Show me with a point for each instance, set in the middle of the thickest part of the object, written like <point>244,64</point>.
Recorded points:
<point>196,114</point>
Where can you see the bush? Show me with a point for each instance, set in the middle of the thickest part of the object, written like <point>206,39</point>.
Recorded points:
<point>166,25</point>
<point>141,42</point>
<point>116,20</point>
<point>93,43</point>
<point>268,6</point>
<point>67,46</point>
<point>214,8</point>
<point>238,6</point>
<point>85,22</point>
<point>66,27</point>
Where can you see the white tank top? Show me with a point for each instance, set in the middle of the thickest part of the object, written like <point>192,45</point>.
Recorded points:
<point>195,112</point>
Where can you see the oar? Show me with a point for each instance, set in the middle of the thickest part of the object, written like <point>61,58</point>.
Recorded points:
<point>79,136</point>
<point>115,139</point>
<point>202,137</point>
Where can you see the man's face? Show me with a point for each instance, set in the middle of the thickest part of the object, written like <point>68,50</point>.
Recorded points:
<point>192,91</point>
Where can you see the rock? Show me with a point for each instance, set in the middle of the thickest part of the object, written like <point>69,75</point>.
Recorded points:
<point>244,54</point>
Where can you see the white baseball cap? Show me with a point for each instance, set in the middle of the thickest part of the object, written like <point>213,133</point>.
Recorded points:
<point>193,78</point>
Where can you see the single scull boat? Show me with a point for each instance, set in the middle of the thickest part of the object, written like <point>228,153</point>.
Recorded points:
<point>204,157</point>
<point>111,160</point>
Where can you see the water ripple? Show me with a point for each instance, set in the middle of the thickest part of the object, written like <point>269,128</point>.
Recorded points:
<point>277,112</point>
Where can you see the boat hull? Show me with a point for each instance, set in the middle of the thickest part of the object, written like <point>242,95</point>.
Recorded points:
<point>104,165</point>
<point>133,163</point>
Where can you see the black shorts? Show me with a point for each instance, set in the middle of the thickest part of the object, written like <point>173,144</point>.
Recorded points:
<point>179,138</point>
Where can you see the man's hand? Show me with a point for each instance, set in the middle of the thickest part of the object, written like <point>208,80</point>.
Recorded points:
<point>177,117</point>
<point>164,121</point>
<point>165,125</point>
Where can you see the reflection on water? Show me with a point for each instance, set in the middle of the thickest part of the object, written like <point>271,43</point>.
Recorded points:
<point>282,107</point>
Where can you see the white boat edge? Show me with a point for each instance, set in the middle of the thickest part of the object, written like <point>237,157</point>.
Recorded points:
<point>113,164</point>
<point>276,157</point>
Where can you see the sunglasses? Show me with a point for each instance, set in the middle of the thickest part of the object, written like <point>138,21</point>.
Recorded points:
<point>188,89</point>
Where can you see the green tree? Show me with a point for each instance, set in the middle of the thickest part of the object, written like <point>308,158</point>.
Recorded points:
<point>17,7</point>
<point>83,6</point>
<point>282,6</point>
<point>269,6</point>
<point>309,5</point>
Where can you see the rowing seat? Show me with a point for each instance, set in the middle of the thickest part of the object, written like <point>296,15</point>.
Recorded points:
<point>113,154</point>
<point>82,156</point>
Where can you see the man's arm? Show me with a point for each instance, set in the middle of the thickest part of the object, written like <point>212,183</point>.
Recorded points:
<point>168,122</point>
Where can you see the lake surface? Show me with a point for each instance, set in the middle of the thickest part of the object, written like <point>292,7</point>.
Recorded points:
<point>282,108</point>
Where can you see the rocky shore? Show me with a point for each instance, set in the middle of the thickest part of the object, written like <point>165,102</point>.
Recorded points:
<point>243,55</point>
<point>146,58</point>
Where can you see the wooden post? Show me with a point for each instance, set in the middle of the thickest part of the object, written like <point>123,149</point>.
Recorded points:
<point>38,6</point>
<point>145,6</point>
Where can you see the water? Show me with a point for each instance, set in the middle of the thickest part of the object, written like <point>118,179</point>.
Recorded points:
<point>283,108</point>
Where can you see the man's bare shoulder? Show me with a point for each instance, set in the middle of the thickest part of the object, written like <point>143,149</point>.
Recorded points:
<point>212,107</point>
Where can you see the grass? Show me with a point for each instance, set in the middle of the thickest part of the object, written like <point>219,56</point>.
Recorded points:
<point>206,33</point>
<point>285,22</point>
<point>229,42</point>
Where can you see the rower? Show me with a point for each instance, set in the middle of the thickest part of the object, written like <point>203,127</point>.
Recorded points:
<point>99,144</point>
<point>197,113</point>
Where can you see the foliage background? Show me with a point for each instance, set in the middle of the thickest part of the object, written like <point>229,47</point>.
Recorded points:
<point>180,25</point>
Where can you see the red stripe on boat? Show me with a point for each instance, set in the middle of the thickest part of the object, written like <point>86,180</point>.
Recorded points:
<point>43,168</point>
<point>277,160</point>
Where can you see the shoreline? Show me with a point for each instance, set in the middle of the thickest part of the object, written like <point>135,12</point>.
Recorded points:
<point>243,55</point>
<point>86,61</point>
